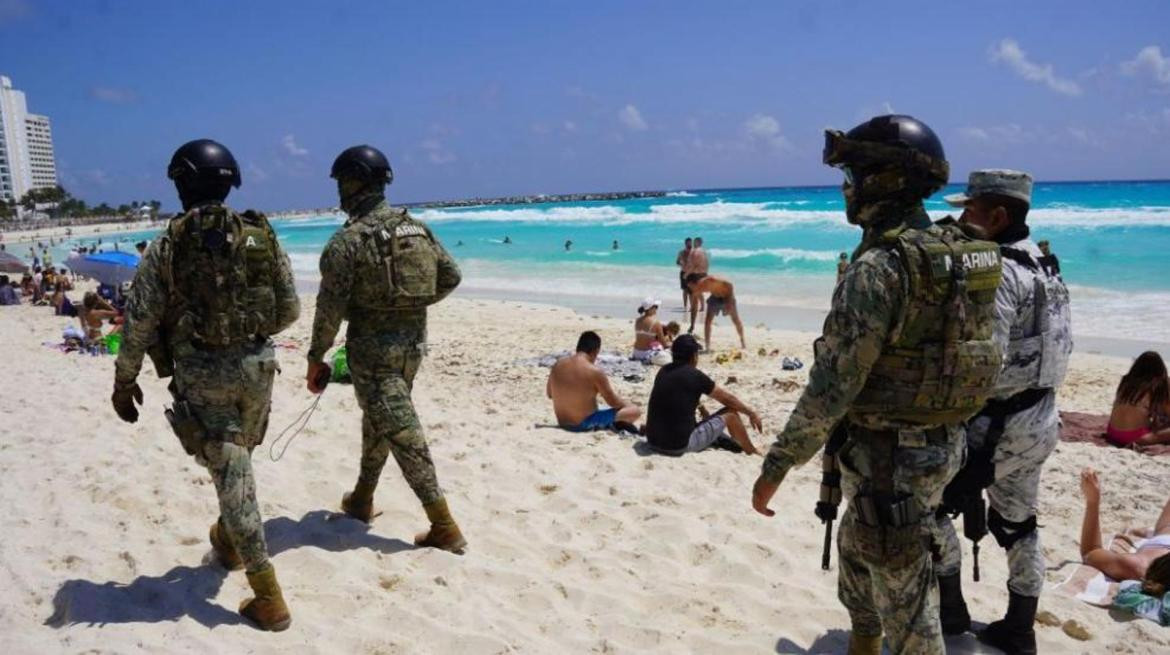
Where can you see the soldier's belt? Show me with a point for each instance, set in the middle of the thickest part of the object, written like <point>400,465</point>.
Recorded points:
<point>203,346</point>
<point>873,511</point>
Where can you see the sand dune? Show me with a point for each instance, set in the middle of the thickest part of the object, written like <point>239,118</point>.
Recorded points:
<point>579,542</point>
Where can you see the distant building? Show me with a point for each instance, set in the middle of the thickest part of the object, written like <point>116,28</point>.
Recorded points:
<point>26,146</point>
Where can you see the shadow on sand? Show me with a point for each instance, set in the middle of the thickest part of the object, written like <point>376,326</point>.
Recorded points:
<point>837,641</point>
<point>189,591</point>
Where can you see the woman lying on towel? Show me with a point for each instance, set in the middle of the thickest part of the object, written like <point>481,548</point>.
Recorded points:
<point>1141,406</point>
<point>1146,571</point>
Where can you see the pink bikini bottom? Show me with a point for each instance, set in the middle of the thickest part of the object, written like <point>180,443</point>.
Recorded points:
<point>1125,437</point>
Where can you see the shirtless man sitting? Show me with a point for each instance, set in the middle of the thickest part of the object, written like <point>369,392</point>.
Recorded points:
<point>574,384</point>
<point>1151,562</point>
<point>720,301</point>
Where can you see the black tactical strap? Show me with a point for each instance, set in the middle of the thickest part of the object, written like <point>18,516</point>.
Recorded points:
<point>1006,532</point>
<point>1020,257</point>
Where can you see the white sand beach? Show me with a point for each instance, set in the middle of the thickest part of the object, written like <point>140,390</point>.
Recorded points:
<point>578,542</point>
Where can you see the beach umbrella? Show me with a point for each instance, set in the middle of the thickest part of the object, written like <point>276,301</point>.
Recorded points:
<point>10,263</point>
<point>112,268</point>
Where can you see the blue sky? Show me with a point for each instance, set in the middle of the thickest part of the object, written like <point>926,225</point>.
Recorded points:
<point>509,97</point>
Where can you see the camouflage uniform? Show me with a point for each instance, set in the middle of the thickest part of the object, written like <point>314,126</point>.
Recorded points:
<point>384,347</point>
<point>228,388</point>
<point>886,578</point>
<point>1029,436</point>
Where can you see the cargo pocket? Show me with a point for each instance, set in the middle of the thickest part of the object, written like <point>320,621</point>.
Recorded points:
<point>889,547</point>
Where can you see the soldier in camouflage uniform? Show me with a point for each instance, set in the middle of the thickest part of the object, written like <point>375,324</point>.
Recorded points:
<point>1013,435</point>
<point>906,356</point>
<point>380,271</point>
<point>207,295</point>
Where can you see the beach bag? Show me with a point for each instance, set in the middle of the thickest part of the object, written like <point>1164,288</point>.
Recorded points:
<point>340,366</point>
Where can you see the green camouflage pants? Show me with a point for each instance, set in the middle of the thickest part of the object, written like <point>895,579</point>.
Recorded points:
<point>1028,439</point>
<point>230,392</point>
<point>886,574</point>
<point>383,376</point>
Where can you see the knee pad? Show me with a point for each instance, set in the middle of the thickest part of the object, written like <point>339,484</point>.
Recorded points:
<point>1006,532</point>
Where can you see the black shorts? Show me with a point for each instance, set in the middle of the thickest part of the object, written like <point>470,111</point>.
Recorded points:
<point>682,280</point>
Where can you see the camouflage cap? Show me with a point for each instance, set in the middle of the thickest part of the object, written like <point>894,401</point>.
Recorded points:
<point>998,181</point>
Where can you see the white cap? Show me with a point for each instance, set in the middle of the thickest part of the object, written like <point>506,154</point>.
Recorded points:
<point>649,302</point>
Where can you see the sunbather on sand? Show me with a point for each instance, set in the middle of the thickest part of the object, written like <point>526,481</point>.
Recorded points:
<point>95,310</point>
<point>1151,562</point>
<point>574,383</point>
<point>1141,403</point>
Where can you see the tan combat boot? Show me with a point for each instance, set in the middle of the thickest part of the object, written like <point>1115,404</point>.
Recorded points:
<point>444,533</point>
<point>267,610</point>
<point>359,503</point>
<point>225,552</point>
<point>863,645</point>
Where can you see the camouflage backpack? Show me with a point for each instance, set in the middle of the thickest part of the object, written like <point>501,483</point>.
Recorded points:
<point>940,363</point>
<point>405,257</point>
<point>220,268</point>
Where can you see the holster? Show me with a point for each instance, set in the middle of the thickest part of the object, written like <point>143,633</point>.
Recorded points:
<point>186,426</point>
<point>888,546</point>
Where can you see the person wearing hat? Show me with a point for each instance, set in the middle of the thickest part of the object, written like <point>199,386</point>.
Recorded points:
<point>649,335</point>
<point>1011,437</point>
<point>842,265</point>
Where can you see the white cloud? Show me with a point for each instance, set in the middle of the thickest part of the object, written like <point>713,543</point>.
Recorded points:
<point>1010,52</point>
<point>570,126</point>
<point>289,142</point>
<point>436,152</point>
<point>762,128</point>
<point>113,95</point>
<point>1151,60</point>
<point>1000,134</point>
<point>632,118</point>
<point>257,173</point>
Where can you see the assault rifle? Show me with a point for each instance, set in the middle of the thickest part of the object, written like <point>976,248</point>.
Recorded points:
<point>830,497</point>
<point>964,495</point>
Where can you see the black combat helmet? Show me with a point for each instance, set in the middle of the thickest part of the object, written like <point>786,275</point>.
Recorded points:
<point>206,159</point>
<point>362,162</point>
<point>889,155</point>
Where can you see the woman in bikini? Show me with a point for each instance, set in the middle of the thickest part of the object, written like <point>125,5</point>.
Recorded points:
<point>649,335</point>
<point>94,311</point>
<point>1142,400</point>
<point>1151,562</point>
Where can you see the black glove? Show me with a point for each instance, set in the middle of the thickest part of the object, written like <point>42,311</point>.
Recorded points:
<point>123,400</point>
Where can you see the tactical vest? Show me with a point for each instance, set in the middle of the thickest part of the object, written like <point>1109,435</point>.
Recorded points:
<point>940,362</point>
<point>397,263</point>
<point>220,269</point>
<point>1038,359</point>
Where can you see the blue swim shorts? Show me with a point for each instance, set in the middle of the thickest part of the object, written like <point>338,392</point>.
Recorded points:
<point>602,419</point>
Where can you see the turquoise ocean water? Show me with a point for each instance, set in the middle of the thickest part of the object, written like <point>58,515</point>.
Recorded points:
<point>779,246</point>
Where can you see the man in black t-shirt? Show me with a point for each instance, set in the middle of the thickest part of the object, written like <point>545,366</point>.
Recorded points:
<point>670,421</point>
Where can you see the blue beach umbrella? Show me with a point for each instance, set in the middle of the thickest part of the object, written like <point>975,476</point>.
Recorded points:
<point>112,268</point>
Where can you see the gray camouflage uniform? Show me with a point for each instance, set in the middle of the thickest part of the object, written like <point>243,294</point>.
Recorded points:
<point>229,390</point>
<point>1029,436</point>
<point>384,348</point>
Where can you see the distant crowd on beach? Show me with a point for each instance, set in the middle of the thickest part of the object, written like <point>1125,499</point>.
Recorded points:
<point>40,283</point>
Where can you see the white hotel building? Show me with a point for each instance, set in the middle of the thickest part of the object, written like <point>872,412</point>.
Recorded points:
<point>26,146</point>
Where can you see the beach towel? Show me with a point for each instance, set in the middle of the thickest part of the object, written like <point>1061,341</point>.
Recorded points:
<point>1091,586</point>
<point>1079,427</point>
<point>1130,599</point>
<point>613,363</point>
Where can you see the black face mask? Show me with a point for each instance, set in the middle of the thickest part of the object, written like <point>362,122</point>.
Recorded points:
<point>355,195</point>
<point>195,191</point>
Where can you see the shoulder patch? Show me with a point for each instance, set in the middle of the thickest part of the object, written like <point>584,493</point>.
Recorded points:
<point>410,230</point>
